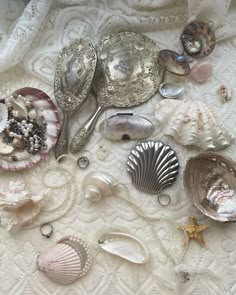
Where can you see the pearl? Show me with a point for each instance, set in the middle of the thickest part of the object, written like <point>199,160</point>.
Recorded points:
<point>11,134</point>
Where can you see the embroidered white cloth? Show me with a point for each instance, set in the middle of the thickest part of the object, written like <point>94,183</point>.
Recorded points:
<point>31,35</point>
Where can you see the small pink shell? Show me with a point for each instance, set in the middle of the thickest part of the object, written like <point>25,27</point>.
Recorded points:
<point>46,108</point>
<point>66,261</point>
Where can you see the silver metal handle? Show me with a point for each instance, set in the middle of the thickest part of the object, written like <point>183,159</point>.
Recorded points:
<point>62,142</point>
<point>83,134</point>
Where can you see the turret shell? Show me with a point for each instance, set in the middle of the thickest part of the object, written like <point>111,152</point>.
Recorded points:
<point>97,185</point>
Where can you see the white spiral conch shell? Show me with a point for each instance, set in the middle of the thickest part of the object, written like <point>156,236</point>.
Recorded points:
<point>192,123</point>
<point>21,205</point>
<point>66,261</point>
<point>97,185</point>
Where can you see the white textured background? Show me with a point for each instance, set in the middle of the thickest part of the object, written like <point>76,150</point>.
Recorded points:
<point>31,34</point>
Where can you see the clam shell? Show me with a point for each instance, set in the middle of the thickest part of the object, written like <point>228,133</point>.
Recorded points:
<point>170,90</point>
<point>18,105</point>
<point>125,127</point>
<point>45,107</point>
<point>210,181</point>
<point>3,116</point>
<point>198,38</point>
<point>171,61</point>
<point>152,166</point>
<point>65,262</point>
<point>192,123</point>
<point>125,246</point>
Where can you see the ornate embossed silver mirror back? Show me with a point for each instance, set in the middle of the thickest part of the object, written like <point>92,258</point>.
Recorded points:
<point>210,181</point>
<point>128,74</point>
<point>75,69</point>
<point>153,166</point>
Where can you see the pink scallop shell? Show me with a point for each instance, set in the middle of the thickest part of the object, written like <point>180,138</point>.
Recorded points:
<point>45,107</point>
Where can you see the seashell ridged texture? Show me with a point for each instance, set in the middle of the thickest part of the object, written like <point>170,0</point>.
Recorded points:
<point>210,181</point>
<point>198,38</point>
<point>192,123</point>
<point>125,246</point>
<point>125,127</point>
<point>97,184</point>
<point>66,261</point>
<point>153,166</point>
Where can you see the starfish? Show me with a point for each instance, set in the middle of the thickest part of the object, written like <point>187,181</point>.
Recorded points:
<point>194,231</point>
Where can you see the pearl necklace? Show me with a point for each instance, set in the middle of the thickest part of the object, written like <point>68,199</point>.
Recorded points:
<point>150,220</point>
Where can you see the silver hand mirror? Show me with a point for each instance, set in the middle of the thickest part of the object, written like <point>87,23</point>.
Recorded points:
<point>128,74</point>
<point>75,69</point>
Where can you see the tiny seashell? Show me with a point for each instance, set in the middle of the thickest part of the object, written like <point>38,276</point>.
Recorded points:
<point>18,106</point>
<point>96,185</point>
<point>210,181</point>
<point>152,166</point>
<point>5,149</point>
<point>174,62</point>
<point>103,151</point>
<point>192,123</point>
<point>125,127</point>
<point>198,38</point>
<point>201,72</point>
<point>66,261</point>
<point>32,114</point>
<point>170,90</point>
<point>19,143</point>
<point>224,93</point>
<point>3,116</point>
<point>125,246</point>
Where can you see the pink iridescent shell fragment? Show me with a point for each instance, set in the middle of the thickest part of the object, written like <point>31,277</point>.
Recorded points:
<point>210,181</point>
<point>66,261</point>
<point>44,107</point>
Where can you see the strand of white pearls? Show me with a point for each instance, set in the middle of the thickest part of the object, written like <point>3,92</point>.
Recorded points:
<point>138,209</point>
<point>70,195</point>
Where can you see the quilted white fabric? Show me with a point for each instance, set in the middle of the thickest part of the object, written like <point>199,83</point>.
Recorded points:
<point>31,34</point>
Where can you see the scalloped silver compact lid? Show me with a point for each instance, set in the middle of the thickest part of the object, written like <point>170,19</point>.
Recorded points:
<point>153,166</point>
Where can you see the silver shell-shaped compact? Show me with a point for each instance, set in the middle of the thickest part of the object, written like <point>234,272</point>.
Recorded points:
<point>210,181</point>
<point>153,166</point>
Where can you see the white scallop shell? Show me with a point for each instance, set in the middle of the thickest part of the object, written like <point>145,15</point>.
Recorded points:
<point>192,123</point>
<point>46,108</point>
<point>3,117</point>
<point>97,184</point>
<point>65,262</point>
<point>125,246</point>
<point>153,166</point>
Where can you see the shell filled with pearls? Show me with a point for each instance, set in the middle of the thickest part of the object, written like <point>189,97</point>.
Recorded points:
<point>98,184</point>
<point>210,181</point>
<point>66,261</point>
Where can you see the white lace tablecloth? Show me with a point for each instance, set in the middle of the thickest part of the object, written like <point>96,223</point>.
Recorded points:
<point>31,34</point>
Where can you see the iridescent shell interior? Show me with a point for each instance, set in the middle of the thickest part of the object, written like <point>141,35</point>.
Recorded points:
<point>174,63</point>
<point>210,181</point>
<point>198,38</point>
